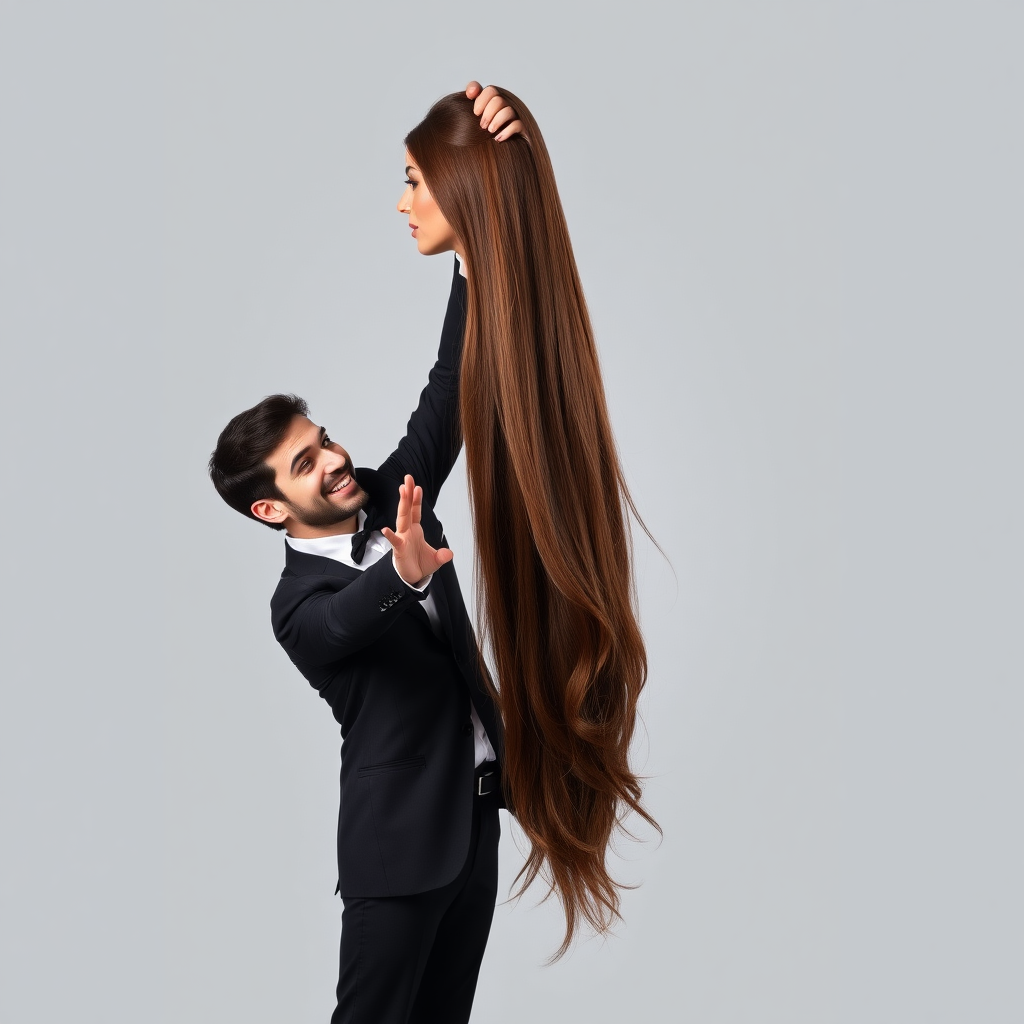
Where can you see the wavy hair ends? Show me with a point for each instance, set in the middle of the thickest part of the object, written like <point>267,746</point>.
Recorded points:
<point>550,508</point>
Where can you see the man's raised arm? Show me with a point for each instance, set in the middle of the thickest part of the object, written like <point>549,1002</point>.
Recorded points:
<point>433,437</point>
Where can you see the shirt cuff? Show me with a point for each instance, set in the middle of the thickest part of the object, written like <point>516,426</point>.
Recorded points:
<point>412,586</point>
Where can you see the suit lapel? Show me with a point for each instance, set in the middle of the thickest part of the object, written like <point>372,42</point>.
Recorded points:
<point>383,504</point>
<point>437,589</point>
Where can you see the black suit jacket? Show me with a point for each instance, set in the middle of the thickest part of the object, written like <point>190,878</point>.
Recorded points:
<point>401,694</point>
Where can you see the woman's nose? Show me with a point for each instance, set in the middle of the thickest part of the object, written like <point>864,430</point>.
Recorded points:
<point>403,203</point>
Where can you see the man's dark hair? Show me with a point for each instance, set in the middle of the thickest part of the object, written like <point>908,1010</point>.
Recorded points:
<point>238,464</point>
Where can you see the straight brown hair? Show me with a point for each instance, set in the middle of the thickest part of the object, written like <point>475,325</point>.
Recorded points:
<point>550,507</point>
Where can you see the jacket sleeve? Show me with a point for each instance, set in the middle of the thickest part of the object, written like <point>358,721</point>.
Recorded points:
<point>320,625</point>
<point>433,437</point>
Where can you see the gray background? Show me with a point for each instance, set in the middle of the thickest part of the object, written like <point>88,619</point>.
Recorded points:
<point>799,229</point>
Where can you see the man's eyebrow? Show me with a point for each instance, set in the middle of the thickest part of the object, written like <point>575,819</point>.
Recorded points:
<point>304,452</point>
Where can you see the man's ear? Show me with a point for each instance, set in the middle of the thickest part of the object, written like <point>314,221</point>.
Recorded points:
<point>269,511</point>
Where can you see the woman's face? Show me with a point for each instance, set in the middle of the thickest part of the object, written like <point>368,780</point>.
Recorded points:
<point>432,232</point>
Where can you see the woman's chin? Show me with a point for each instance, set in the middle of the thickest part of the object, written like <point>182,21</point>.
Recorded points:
<point>426,249</point>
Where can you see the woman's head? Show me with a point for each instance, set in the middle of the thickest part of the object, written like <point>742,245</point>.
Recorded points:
<point>486,192</point>
<point>449,154</point>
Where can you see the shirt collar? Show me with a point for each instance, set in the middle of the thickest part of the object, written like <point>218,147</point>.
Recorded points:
<point>337,546</point>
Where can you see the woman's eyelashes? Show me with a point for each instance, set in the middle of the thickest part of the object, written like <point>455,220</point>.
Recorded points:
<point>412,184</point>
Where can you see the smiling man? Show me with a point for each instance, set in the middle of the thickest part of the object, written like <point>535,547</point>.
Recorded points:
<point>369,610</point>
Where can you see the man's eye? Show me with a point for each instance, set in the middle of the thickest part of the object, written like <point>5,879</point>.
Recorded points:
<point>326,441</point>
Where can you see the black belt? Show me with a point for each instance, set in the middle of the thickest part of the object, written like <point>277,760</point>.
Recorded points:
<point>487,779</point>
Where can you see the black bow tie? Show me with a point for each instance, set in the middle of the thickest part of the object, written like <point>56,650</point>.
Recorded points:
<point>360,537</point>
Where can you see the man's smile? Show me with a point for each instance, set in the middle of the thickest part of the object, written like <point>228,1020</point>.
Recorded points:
<point>341,485</point>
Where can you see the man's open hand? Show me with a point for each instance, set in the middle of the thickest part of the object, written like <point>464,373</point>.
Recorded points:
<point>414,557</point>
<point>494,111</point>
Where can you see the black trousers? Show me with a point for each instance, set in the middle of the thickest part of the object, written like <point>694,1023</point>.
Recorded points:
<point>415,959</point>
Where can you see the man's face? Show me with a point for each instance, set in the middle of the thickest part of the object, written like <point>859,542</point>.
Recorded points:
<point>315,475</point>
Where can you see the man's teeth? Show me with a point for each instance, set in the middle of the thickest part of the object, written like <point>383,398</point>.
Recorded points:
<point>341,484</point>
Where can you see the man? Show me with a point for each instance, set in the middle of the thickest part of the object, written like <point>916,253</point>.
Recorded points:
<point>369,609</point>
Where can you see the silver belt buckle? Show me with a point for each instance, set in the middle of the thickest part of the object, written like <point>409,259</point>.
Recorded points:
<point>480,784</point>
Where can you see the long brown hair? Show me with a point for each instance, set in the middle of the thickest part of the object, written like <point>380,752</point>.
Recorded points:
<point>550,507</point>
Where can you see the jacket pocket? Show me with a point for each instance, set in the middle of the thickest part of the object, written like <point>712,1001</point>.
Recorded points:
<point>401,765</point>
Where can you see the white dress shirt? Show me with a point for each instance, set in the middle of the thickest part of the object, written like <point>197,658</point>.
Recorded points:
<point>339,547</point>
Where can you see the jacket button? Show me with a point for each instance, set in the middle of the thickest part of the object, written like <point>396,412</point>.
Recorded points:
<point>467,729</point>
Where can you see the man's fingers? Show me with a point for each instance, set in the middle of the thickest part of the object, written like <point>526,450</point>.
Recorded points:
<point>416,509</point>
<point>415,558</point>
<point>483,99</point>
<point>495,104</point>
<point>402,516</point>
<point>515,128</point>
<point>496,114</point>
<point>504,114</point>
<point>410,505</point>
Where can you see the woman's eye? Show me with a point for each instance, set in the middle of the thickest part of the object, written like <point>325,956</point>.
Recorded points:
<point>411,184</point>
